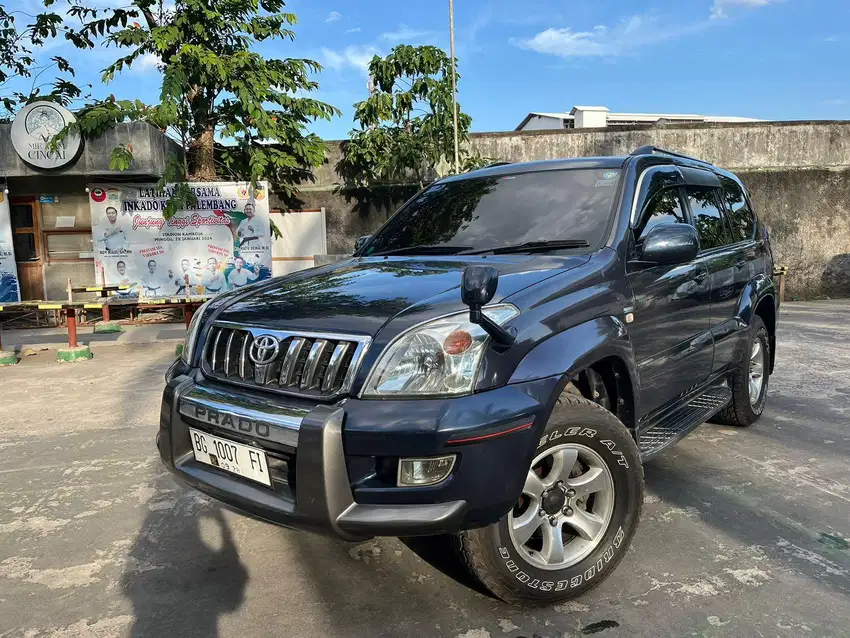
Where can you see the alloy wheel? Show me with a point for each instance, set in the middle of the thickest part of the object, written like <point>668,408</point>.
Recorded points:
<point>565,508</point>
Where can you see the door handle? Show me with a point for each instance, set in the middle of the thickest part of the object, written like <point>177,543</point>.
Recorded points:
<point>700,277</point>
<point>740,263</point>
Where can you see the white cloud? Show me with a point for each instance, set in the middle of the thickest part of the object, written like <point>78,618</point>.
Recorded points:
<point>603,41</point>
<point>404,34</point>
<point>354,30</point>
<point>835,102</point>
<point>146,62</point>
<point>333,16</point>
<point>352,57</point>
<point>720,7</point>
<point>831,38</point>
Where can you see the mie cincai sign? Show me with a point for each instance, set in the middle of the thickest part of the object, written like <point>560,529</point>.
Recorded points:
<point>32,130</point>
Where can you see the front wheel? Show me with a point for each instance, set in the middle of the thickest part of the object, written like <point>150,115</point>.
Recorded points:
<point>575,519</point>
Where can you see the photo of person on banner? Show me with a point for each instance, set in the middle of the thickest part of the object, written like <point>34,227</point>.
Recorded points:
<point>240,275</point>
<point>153,283</point>
<point>212,279</point>
<point>252,232</point>
<point>124,279</point>
<point>186,279</point>
<point>114,235</point>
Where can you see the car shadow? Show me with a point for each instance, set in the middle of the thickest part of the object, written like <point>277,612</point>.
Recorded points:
<point>180,580</point>
<point>441,553</point>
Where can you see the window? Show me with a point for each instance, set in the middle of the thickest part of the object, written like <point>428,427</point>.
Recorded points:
<point>21,215</point>
<point>24,245</point>
<point>477,213</point>
<point>664,208</point>
<point>69,246</point>
<point>707,218</point>
<point>741,217</point>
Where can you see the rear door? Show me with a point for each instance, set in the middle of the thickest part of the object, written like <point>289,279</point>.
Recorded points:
<point>670,332</point>
<point>725,261</point>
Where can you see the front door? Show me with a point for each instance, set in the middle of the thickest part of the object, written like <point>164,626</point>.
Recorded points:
<point>24,213</point>
<point>670,333</point>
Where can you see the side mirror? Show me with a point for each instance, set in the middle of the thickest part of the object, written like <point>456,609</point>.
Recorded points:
<point>477,289</point>
<point>361,241</point>
<point>670,244</point>
<point>479,285</point>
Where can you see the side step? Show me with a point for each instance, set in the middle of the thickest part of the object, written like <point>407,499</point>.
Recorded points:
<point>675,426</point>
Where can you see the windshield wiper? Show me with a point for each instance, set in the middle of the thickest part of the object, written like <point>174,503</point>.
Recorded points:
<point>423,249</point>
<point>532,246</point>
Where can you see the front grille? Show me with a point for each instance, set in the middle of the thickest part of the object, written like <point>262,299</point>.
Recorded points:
<point>301,364</point>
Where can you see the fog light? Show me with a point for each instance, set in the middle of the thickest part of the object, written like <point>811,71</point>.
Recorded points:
<point>424,471</point>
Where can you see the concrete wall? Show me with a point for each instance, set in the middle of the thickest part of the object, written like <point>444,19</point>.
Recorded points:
<point>798,174</point>
<point>150,153</point>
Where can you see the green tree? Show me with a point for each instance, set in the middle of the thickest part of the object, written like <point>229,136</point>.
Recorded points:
<point>19,65</point>
<point>405,130</point>
<point>215,86</point>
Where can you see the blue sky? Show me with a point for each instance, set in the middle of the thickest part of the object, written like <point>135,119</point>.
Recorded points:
<point>771,59</point>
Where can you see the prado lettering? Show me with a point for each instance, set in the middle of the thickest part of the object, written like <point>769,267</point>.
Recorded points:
<point>193,252</point>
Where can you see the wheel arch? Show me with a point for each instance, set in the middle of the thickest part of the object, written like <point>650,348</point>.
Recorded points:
<point>759,299</point>
<point>766,309</point>
<point>595,352</point>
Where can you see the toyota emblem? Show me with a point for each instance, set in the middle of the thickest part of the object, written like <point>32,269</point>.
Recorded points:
<point>264,350</point>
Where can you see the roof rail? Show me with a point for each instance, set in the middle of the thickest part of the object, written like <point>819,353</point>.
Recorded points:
<point>499,163</point>
<point>650,150</point>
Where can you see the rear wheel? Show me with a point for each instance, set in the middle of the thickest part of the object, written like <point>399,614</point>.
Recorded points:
<point>574,521</point>
<point>749,381</point>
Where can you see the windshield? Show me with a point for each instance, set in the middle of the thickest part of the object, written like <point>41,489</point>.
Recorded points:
<point>503,210</point>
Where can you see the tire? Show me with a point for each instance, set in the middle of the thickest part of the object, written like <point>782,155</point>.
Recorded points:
<point>518,572</point>
<point>741,410</point>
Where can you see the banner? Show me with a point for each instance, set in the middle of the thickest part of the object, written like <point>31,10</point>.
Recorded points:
<point>221,244</point>
<point>9,289</point>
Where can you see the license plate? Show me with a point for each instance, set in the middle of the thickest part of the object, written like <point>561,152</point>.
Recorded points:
<point>232,457</point>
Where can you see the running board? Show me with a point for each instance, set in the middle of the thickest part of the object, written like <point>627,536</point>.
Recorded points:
<point>675,426</point>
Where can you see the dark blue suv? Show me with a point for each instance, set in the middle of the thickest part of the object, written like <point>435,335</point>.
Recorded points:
<point>495,362</point>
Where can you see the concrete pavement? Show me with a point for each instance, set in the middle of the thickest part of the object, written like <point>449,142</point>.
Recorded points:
<point>745,531</point>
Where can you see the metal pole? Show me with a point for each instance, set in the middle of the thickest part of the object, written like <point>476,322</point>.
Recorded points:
<point>72,328</point>
<point>454,80</point>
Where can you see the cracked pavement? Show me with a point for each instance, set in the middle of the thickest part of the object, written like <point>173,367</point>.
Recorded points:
<point>744,532</point>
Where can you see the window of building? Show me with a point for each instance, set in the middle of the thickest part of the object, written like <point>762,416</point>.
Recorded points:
<point>69,246</point>
<point>708,219</point>
<point>741,217</point>
<point>664,208</point>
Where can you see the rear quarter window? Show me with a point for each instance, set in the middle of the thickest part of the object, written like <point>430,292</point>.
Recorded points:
<point>742,220</point>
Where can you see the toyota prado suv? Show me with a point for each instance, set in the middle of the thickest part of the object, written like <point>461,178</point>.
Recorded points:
<point>495,363</point>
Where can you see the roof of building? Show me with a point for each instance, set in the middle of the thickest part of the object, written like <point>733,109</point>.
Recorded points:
<point>636,117</point>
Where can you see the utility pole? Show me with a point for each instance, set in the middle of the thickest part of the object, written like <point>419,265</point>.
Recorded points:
<point>454,81</point>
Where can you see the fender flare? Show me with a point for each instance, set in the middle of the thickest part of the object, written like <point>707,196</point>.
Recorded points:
<point>757,289</point>
<point>574,349</point>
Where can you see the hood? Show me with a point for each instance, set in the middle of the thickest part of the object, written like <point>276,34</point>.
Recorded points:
<point>358,296</point>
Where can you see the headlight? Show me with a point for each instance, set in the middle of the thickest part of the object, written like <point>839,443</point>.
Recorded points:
<point>437,358</point>
<point>192,333</point>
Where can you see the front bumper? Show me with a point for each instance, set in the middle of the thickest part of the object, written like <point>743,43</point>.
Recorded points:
<point>332,463</point>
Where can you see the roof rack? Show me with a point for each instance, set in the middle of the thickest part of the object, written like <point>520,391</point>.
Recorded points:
<point>650,150</point>
<point>499,163</point>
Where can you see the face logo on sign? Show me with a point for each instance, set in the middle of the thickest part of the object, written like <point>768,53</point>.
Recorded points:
<point>34,127</point>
